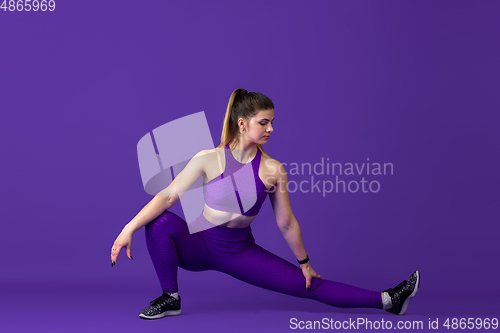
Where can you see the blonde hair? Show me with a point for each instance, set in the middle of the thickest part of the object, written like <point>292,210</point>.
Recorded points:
<point>242,104</point>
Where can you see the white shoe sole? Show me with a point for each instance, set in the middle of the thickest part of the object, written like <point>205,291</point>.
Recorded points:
<point>407,301</point>
<point>161,315</point>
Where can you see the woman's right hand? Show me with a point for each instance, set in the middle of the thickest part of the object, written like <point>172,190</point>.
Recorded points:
<point>124,239</point>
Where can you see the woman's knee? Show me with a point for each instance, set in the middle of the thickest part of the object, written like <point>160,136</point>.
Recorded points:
<point>165,222</point>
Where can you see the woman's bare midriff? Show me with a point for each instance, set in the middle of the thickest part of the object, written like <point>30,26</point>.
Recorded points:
<point>227,219</point>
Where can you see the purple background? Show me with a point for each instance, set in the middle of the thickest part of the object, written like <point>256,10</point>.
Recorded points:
<point>413,83</point>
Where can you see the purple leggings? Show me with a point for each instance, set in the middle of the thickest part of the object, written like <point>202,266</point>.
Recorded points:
<point>233,251</point>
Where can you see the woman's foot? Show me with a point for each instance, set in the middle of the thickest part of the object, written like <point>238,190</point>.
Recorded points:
<point>165,305</point>
<point>403,293</point>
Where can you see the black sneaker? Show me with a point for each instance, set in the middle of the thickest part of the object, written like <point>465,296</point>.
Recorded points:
<point>165,305</point>
<point>403,293</point>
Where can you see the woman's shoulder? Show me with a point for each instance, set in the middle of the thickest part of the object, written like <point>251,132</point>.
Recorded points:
<point>208,152</point>
<point>272,165</point>
<point>208,156</point>
<point>207,160</point>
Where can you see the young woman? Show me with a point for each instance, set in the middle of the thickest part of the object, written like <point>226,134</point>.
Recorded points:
<point>229,246</point>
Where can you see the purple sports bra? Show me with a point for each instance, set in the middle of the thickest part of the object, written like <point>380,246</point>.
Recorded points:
<point>238,189</point>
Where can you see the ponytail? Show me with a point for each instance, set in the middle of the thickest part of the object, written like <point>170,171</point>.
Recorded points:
<point>242,104</point>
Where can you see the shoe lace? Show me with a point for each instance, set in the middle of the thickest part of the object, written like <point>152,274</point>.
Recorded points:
<point>164,297</point>
<point>158,300</point>
<point>400,285</point>
<point>403,283</point>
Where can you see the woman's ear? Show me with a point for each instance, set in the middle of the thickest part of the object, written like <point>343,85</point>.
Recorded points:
<point>242,124</point>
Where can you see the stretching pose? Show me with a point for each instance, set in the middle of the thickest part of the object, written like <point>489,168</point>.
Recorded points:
<point>228,245</point>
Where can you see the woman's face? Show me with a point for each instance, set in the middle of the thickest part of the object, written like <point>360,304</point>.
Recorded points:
<point>260,126</point>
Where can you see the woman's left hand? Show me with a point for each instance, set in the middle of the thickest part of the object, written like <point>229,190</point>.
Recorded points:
<point>309,273</point>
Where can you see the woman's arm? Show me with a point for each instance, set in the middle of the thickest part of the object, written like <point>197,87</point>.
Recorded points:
<point>124,240</point>
<point>168,197</point>
<point>152,210</point>
<point>287,223</point>
<point>161,202</point>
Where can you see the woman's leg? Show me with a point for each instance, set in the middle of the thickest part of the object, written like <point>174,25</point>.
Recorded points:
<point>261,268</point>
<point>170,245</point>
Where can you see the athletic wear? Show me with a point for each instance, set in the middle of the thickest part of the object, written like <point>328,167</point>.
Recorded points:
<point>403,293</point>
<point>239,188</point>
<point>165,305</point>
<point>233,251</point>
